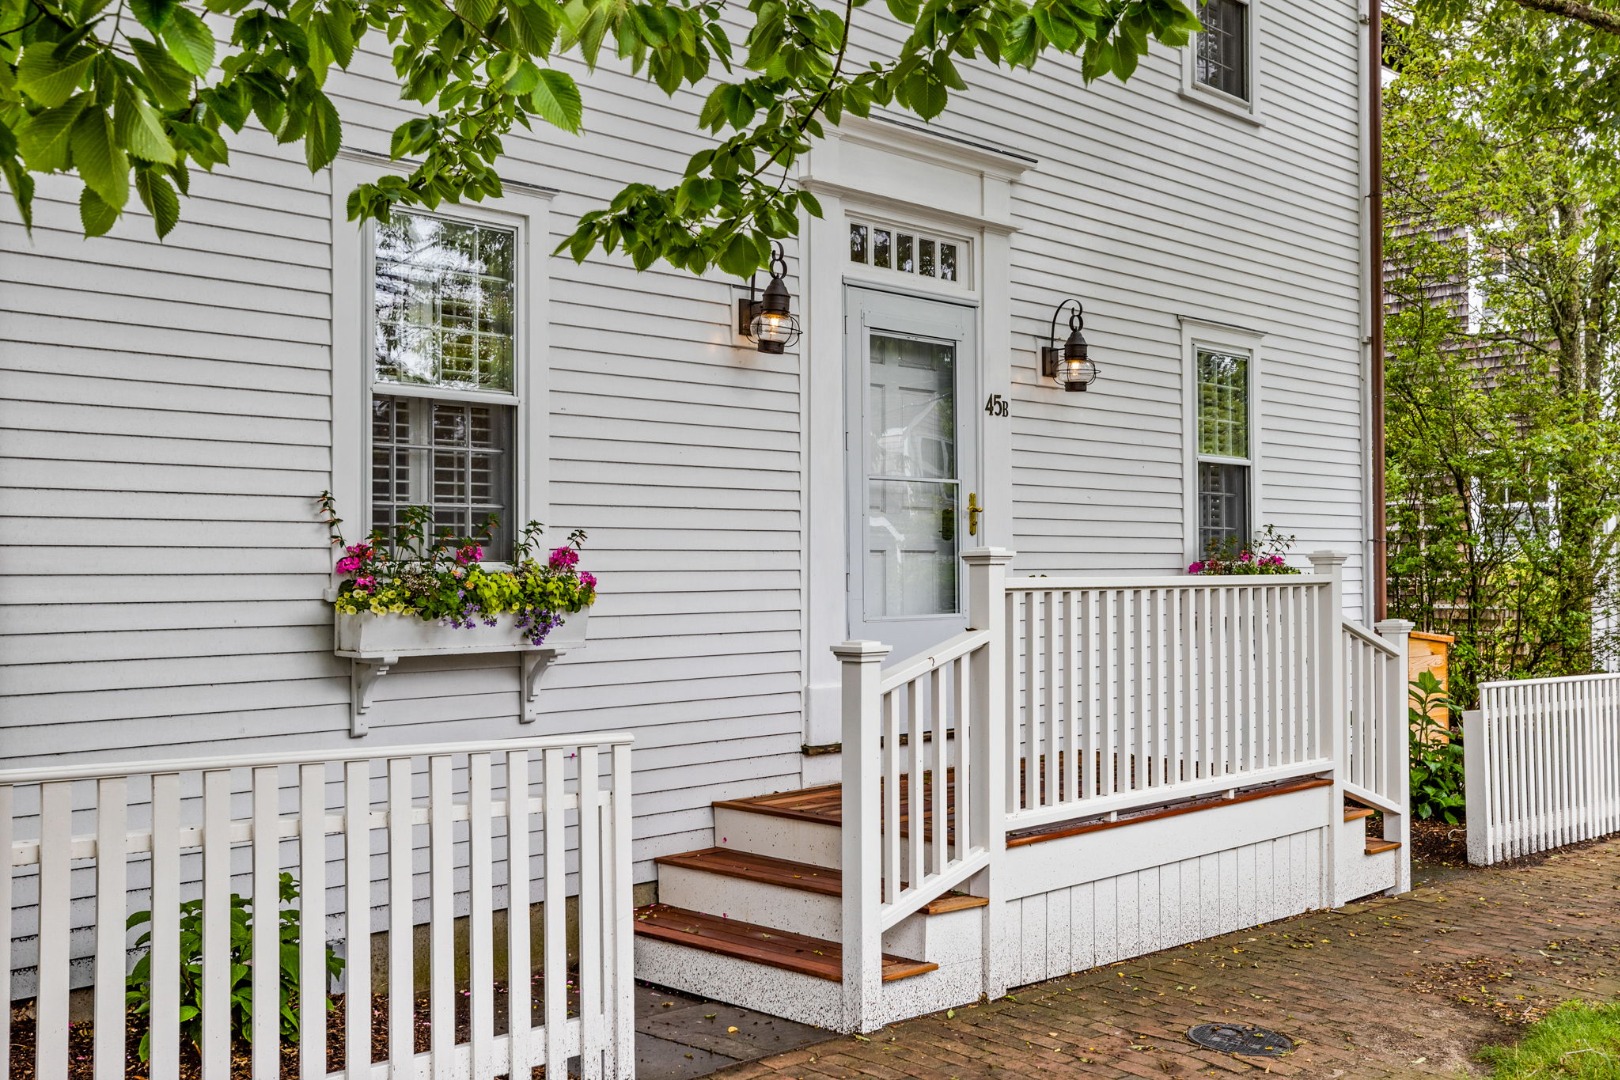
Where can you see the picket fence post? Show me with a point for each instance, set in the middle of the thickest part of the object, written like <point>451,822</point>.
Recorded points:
<point>861,663</point>
<point>987,610</point>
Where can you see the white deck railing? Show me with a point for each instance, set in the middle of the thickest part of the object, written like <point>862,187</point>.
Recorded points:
<point>1376,738</point>
<point>1129,693</point>
<point>1542,765</point>
<point>539,810</point>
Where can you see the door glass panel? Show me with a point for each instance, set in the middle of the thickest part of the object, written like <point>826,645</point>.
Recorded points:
<point>911,478</point>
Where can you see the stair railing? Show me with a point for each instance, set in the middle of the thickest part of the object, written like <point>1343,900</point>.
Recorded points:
<point>921,773</point>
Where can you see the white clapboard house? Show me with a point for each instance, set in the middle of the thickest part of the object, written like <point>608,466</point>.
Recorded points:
<point>922,703</point>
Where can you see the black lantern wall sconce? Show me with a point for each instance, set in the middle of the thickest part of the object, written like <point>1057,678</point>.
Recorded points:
<point>1068,365</point>
<point>768,320</point>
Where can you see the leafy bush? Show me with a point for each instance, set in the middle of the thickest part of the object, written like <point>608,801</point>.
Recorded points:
<point>1436,754</point>
<point>138,986</point>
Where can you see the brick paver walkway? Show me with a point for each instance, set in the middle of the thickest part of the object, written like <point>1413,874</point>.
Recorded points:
<point>1394,987</point>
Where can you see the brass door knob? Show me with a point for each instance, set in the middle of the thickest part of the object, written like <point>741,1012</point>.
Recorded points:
<point>974,510</point>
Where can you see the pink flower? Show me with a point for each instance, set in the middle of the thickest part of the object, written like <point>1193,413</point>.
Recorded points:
<point>470,553</point>
<point>367,582</point>
<point>1196,568</point>
<point>587,579</point>
<point>1247,556</point>
<point>348,564</point>
<point>563,557</point>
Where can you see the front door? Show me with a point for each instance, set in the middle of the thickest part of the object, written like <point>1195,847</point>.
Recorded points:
<point>912,443</point>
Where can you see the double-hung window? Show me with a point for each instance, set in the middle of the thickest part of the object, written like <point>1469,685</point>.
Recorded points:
<point>444,398</point>
<point>1223,458</point>
<point>438,393</point>
<point>1220,64</point>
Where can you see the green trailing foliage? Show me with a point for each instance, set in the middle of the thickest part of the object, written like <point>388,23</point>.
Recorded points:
<point>132,98</point>
<point>1438,793</point>
<point>1502,233</point>
<point>138,985</point>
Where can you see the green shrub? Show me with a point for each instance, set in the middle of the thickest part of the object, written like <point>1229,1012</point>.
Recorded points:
<point>1436,754</point>
<point>138,986</point>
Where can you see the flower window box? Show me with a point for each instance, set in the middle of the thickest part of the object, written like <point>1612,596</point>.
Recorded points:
<point>427,594</point>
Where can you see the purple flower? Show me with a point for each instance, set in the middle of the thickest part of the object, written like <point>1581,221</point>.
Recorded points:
<point>562,558</point>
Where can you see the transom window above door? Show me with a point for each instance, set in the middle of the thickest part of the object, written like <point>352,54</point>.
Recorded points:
<point>912,252</point>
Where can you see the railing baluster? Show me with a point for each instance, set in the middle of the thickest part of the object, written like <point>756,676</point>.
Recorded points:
<point>1052,713</point>
<point>914,788</point>
<point>554,947</point>
<point>480,938</point>
<point>890,823</point>
<point>519,959</point>
<point>1032,706</point>
<point>590,914</point>
<point>7,801</point>
<point>933,795</point>
<point>164,1018</point>
<point>441,892</point>
<point>1073,687</point>
<point>967,749</point>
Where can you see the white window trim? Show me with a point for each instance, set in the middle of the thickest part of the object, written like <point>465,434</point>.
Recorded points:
<point>1203,334</point>
<point>1218,100</point>
<point>521,207</point>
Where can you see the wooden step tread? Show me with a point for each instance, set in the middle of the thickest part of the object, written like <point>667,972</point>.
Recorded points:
<point>1080,826</point>
<point>821,880</point>
<point>760,944</point>
<point>1375,846</point>
<point>1357,813</point>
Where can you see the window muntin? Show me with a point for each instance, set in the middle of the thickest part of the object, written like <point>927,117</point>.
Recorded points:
<point>1223,439</point>
<point>444,398</point>
<point>1221,56</point>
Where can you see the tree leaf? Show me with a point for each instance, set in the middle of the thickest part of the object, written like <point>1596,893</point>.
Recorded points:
<point>557,100</point>
<point>48,80</point>
<point>138,129</point>
<point>170,83</point>
<point>43,140</point>
<point>101,162</point>
<point>152,14</point>
<point>160,199</point>
<point>324,136</point>
<point>96,216</point>
<point>189,41</point>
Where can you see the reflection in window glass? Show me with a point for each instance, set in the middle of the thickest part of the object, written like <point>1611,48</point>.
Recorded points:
<point>947,262</point>
<point>1223,448</point>
<point>880,248</point>
<point>903,261</point>
<point>925,258</point>
<point>912,481</point>
<point>1222,56</point>
<point>857,243</point>
<point>444,294</point>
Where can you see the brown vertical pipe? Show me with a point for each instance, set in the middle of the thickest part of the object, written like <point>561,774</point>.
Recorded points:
<point>1375,115</point>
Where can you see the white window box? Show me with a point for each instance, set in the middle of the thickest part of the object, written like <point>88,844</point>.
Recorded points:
<point>375,643</point>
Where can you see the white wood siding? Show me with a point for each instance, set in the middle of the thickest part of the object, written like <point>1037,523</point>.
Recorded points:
<point>165,423</point>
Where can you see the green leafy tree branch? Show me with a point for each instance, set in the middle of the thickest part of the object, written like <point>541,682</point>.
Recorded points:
<point>131,98</point>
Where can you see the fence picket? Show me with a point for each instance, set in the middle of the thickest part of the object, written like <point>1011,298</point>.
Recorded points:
<point>216,912</point>
<point>590,916</point>
<point>51,1003</point>
<point>164,954</point>
<point>357,919</point>
<point>266,960</point>
<point>519,959</point>
<point>313,981</point>
<point>6,831</point>
<point>441,919</point>
<point>111,882</point>
<point>401,967</point>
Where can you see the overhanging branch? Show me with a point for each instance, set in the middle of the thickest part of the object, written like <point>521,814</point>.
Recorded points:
<point>1596,18</point>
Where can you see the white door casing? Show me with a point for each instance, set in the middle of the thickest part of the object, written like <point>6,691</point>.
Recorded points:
<point>876,169</point>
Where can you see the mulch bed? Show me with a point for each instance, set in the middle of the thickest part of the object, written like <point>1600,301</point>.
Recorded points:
<point>81,1039</point>
<point>1434,843</point>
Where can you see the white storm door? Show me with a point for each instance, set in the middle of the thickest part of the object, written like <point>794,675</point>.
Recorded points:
<point>913,453</point>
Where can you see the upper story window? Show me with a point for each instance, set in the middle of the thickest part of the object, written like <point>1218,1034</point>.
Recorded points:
<point>444,387</point>
<point>1219,68</point>
<point>1223,464</point>
<point>1223,47</point>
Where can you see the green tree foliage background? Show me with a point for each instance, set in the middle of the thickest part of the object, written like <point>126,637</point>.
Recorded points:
<point>1503,445</point>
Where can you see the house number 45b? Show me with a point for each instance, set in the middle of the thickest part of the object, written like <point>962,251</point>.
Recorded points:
<point>996,406</point>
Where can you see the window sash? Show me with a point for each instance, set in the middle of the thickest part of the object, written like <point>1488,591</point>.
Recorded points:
<point>1221,52</point>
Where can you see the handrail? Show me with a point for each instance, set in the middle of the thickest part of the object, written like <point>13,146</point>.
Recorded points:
<point>1550,680</point>
<point>899,674</point>
<point>1380,802</point>
<point>109,769</point>
<point>1361,633</point>
<point>1097,806</point>
<point>1165,581</point>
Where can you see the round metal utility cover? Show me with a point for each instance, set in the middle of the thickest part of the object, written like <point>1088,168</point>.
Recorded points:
<point>1241,1039</point>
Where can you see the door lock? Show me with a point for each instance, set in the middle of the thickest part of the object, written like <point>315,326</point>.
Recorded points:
<point>974,510</point>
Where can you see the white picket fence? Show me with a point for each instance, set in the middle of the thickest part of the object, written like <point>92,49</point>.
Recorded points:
<point>1542,765</point>
<point>393,822</point>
